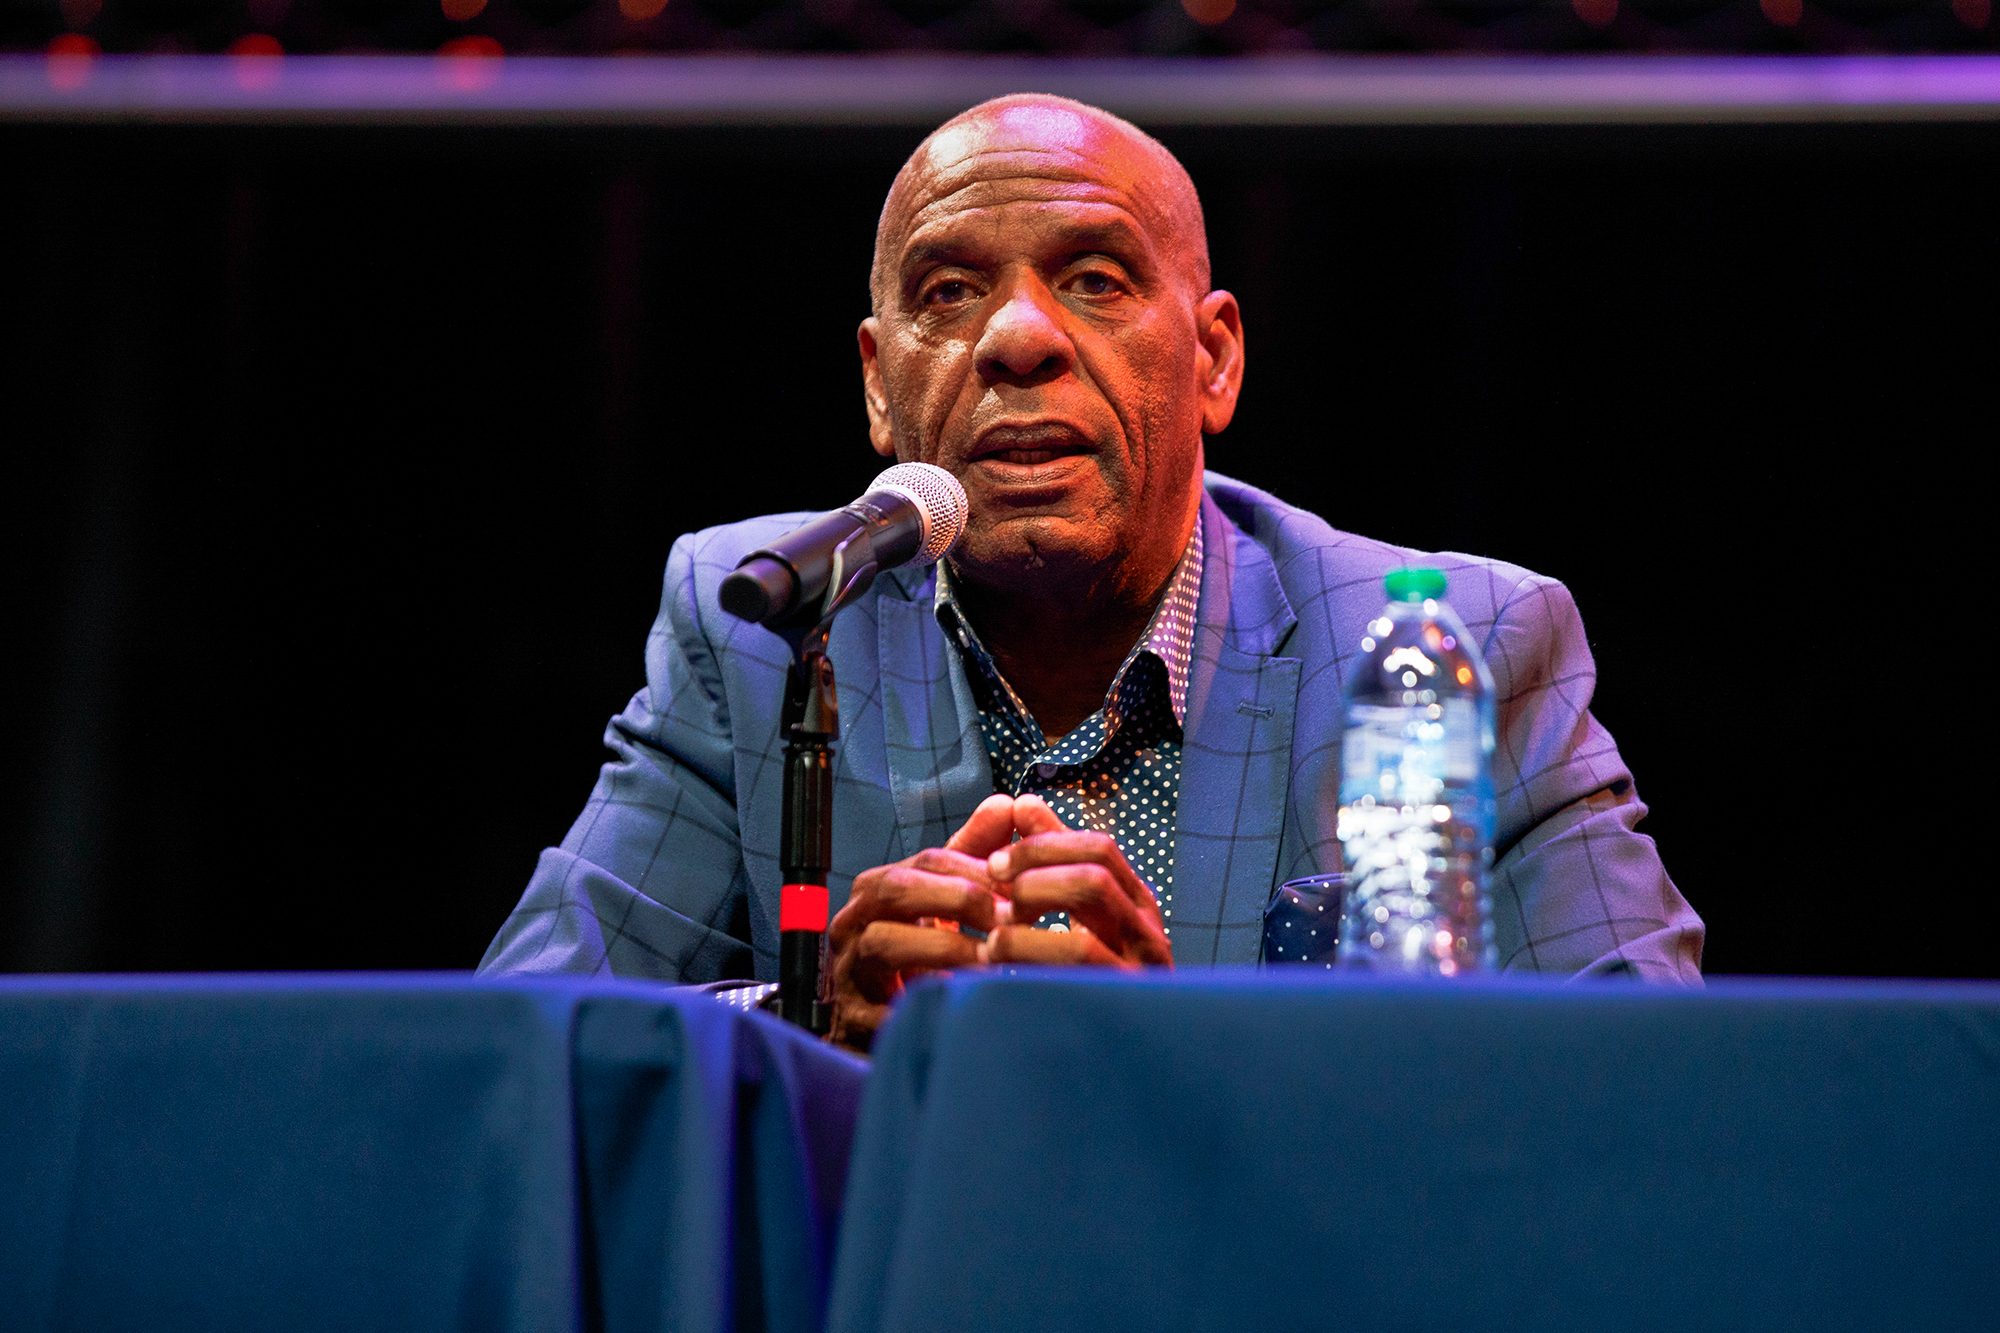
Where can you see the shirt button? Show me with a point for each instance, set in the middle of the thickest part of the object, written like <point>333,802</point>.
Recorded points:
<point>1047,771</point>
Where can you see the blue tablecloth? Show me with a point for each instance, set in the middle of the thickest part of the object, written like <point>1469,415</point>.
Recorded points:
<point>411,1152</point>
<point>1256,1151</point>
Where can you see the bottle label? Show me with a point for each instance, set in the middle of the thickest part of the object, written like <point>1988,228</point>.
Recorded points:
<point>1462,741</point>
<point>1405,754</point>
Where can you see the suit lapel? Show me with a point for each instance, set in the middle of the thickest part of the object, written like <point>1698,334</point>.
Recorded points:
<point>938,769</point>
<point>1236,756</point>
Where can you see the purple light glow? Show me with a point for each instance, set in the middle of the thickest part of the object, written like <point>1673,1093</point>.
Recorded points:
<point>918,90</point>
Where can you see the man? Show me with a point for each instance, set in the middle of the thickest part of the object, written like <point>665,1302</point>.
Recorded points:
<point>1107,726</point>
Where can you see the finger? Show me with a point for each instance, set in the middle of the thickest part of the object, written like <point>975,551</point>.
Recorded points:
<point>966,874</point>
<point>1054,948</point>
<point>1069,847</point>
<point>1093,897</point>
<point>1086,891</point>
<point>887,949</point>
<point>951,861</point>
<point>1032,815</point>
<point>931,883</point>
<point>855,1022</point>
<point>991,827</point>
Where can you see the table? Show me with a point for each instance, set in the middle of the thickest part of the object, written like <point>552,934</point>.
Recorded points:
<point>1269,1151</point>
<point>421,1152</point>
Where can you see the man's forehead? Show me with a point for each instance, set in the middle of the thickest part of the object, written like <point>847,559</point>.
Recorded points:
<point>1074,206</point>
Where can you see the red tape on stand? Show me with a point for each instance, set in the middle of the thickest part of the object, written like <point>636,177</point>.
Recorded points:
<point>802,907</point>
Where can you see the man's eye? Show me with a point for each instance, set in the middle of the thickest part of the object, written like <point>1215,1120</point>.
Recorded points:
<point>949,292</point>
<point>1093,283</point>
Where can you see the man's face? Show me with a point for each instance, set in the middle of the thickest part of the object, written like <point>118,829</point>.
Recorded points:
<point>1042,334</point>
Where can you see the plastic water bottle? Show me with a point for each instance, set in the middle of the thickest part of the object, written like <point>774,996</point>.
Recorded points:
<point>1416,790</point>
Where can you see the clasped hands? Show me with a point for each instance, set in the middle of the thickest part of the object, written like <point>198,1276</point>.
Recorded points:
<point>902,920</point>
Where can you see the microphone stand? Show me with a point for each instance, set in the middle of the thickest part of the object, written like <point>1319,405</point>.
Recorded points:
<point>810,725</point>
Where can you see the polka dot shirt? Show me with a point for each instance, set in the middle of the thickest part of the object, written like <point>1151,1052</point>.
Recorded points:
<point>1119,772</point>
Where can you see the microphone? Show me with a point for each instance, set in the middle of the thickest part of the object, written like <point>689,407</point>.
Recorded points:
<point>912,512</point>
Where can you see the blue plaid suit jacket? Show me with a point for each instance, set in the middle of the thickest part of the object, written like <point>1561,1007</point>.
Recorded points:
<point>672,870</point>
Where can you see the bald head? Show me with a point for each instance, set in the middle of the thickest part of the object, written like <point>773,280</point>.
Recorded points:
<point>1053,137</point>
<point>1044,330</point>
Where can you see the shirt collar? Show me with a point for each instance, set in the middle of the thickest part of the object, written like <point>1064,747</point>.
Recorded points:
<point>1169,634</point>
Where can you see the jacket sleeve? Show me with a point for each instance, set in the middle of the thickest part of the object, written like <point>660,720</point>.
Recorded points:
<point>650,881</point>
<point>1576,887</point>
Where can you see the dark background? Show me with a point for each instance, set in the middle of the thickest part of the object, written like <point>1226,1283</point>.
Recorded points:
<point>1045,27</point>
<point>341,466</point>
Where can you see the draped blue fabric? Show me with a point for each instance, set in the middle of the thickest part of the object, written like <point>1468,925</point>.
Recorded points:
<point>412,1152</point>
<point>1306,1151</point>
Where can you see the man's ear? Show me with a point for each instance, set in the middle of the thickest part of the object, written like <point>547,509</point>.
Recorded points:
<point>871,391</point>
<point>1219,359</point>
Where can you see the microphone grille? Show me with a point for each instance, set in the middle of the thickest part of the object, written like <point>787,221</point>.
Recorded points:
<point>940,499</point>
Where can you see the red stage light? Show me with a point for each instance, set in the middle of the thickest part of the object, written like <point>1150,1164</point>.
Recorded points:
<point>470,63</point>
<point>253,61</point>
<point>1209,12</point>
<point>1973,13</point>
<point>1784,13</point>
<point>458,11</point>
<point>71,59</point>
<point>641,10</point>
<point>1597,13</point>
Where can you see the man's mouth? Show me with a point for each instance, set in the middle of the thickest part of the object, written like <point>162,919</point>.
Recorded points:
<point>1027,455</point>
<point>1029,445</point>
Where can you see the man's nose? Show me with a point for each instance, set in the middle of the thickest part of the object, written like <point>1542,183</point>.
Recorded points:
<point>1024,342</point>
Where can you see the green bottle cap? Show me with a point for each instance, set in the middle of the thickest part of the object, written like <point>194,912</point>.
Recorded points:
<point>1413,585</point>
